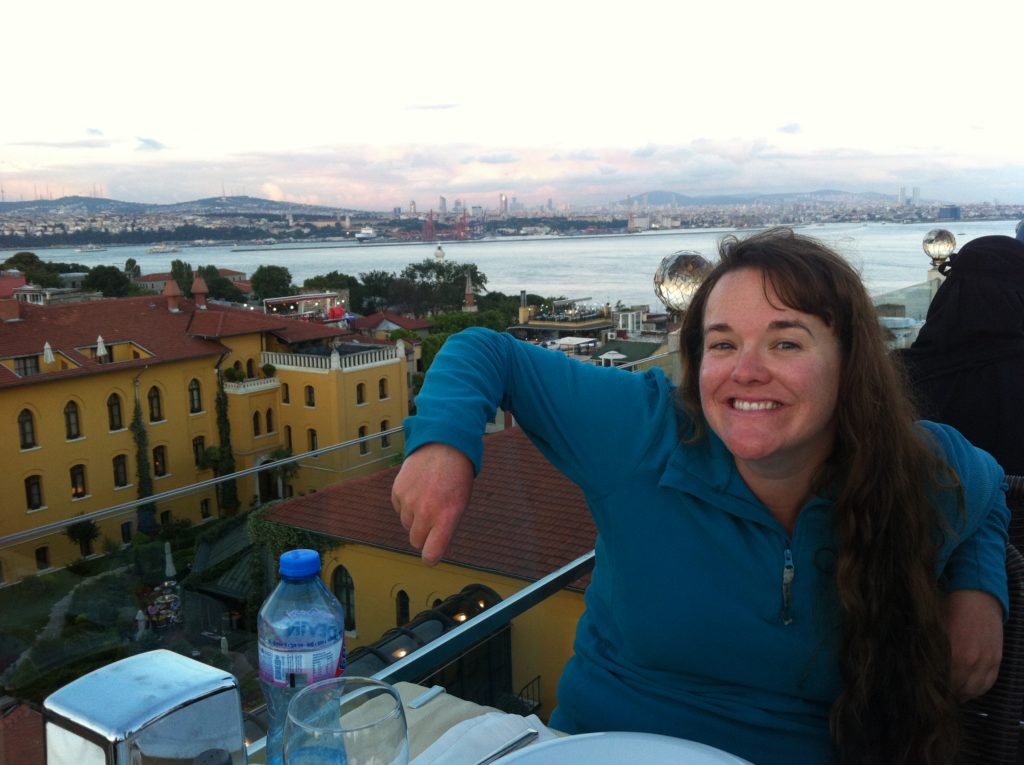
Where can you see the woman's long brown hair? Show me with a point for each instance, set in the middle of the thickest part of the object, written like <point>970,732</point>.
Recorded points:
<point>898,705</point>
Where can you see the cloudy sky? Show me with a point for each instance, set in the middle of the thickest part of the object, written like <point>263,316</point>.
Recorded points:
<point>373,105</point>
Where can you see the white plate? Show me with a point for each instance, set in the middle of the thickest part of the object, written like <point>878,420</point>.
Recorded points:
<point>620,749</point>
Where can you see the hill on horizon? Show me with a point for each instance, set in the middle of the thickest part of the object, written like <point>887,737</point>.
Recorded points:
<point>236,205</point>
<point>673,199</point>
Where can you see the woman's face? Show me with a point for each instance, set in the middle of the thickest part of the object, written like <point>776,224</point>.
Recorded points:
<point>769,377</point>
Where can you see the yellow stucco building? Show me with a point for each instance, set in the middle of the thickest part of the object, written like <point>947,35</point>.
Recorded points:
<point>72,376</point>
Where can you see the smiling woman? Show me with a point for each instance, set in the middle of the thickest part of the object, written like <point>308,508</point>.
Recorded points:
<point>788,542</point>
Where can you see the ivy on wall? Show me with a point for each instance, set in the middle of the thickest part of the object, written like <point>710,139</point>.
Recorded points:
<point>146,511</point>
<point>228,490</point>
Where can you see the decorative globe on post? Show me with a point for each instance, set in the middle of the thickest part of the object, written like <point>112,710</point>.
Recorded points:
<point>938,245</point>
<point>678,277</point>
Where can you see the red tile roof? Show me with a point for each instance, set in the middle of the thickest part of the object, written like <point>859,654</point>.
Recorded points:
<point>525,519</point>
<point>169,336</point>
<point>374,320</point>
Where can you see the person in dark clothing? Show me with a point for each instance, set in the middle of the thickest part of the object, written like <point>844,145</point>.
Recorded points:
<point>967,365</point>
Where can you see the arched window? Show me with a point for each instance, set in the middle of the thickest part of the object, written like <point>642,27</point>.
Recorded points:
<point>402,608</point>
<point>363,448</point>
<point>310,396</point>
<point>42,558</point>
<point>250,369</point>
<point>115,419</point>
<point>78,488</point>
<point>361,393</point>
<point>34,492</point>
<point>286,394</point>
<point>288,436</point>
<point>385,441</point>
<point>195,396</point>
<point>156,408</point>
<point>26,429</point>
<point>237,366</point>
<point>256,430</point>
<point>313,445</point>
<point>382,388</point>
<point>160,461</point>
<point>270,420</point>
<point>72,427</point>
<point>345,591</point>
<point>120,470</point>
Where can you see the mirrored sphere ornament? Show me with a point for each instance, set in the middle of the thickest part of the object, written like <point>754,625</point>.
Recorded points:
<point>678,277</point>
<point>938,245</point>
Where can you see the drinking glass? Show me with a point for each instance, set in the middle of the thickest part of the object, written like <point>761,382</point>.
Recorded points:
<point>346,721</point>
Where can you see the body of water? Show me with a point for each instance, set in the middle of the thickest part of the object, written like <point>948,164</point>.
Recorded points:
<point>604,269</point>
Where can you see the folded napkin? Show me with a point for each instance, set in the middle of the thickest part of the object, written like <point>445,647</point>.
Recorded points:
<point>470,740</point>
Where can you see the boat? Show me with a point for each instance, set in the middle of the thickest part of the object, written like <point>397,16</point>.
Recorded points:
<point>365,234</point>
<point>91,248</point>
<point>163,248</point>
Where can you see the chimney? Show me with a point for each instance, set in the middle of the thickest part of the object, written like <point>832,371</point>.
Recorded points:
<point>199,292</point>
<point>172,292</point>
<point>10,310</point>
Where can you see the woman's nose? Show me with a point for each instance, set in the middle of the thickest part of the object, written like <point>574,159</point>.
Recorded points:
<point>749,367</point>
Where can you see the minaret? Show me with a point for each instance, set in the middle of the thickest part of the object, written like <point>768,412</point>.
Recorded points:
<point>469,304</point>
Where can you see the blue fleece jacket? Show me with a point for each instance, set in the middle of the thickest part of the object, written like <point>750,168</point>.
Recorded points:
<point>705,619</point>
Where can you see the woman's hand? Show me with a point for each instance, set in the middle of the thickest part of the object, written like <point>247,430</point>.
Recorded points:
<point>974,623</point>
<point>430,493</point>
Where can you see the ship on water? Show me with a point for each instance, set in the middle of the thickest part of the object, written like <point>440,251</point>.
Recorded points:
<point>365,234</point>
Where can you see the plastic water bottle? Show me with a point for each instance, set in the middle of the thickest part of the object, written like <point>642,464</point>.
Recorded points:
<point>301,630</point>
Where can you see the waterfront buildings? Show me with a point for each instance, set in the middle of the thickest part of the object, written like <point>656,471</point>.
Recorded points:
<point>110,400</point>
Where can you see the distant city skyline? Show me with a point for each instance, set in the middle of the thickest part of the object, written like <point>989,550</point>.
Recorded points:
<point>579,105</point>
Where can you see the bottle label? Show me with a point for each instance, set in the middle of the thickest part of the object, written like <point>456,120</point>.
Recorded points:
<point>302,648</point>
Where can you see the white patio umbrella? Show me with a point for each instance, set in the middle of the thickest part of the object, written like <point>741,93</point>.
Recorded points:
<point>101,347</point>
<point>170,572</point>
<point>47,352</point>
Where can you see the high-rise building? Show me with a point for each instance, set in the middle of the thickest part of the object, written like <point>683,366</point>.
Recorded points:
<point>901,198</point>
<point>503,204</point>
<point>442,206</point>
<point>915,196</point>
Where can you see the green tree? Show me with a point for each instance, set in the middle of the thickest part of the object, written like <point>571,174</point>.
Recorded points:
<point>221,288</point>
<point>271,281</point>
<point>83,534</point>
<point>440,285</point>
<point>228,490</point>
<point>376,291</point>
<point>110,280</point>
<point>35,270</point>
<point>132,269</point>
<point>182,273</point>
<point>456,321</point>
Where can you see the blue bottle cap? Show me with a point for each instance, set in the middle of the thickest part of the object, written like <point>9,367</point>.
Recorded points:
<point>297,564</point>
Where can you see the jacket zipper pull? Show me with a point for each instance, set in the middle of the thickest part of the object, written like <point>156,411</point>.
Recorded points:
<point>788,572</point>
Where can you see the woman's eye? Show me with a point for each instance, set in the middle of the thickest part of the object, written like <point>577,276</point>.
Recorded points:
<point>721,345</point>
<point>787,345</point>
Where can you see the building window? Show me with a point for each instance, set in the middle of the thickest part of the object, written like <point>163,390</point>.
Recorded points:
<point>288,436</point>
<point>204,508</point>
<point>345,592</point>
<point>250,369</point>
<point>126,532</point>
<point>402,608</point>
<point>361,393</point>
<point>42,558</point>
<point>160,461</point>
<point>385,441</point>
<point>195,397</point>
<point>156,408</point>
<point>199,450</point>
<point>72,426</point>
<point>78,488</point>
<point>270,420</point>
<point>26,429</point>
<point>114,418</point>
<point>120,470</point>
<point>26,365</point>
<point>312,440</point>
<point>363,448</point>
<point>34,492</point>
<point>310,396</point>
<point>256,423</point>
<point>286,395</point>
<point>165,518</point>
<point>382,388</point>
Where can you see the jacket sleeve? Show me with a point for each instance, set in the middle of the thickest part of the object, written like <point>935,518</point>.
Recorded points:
<point>591,422</point>
<point>974,554</point>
